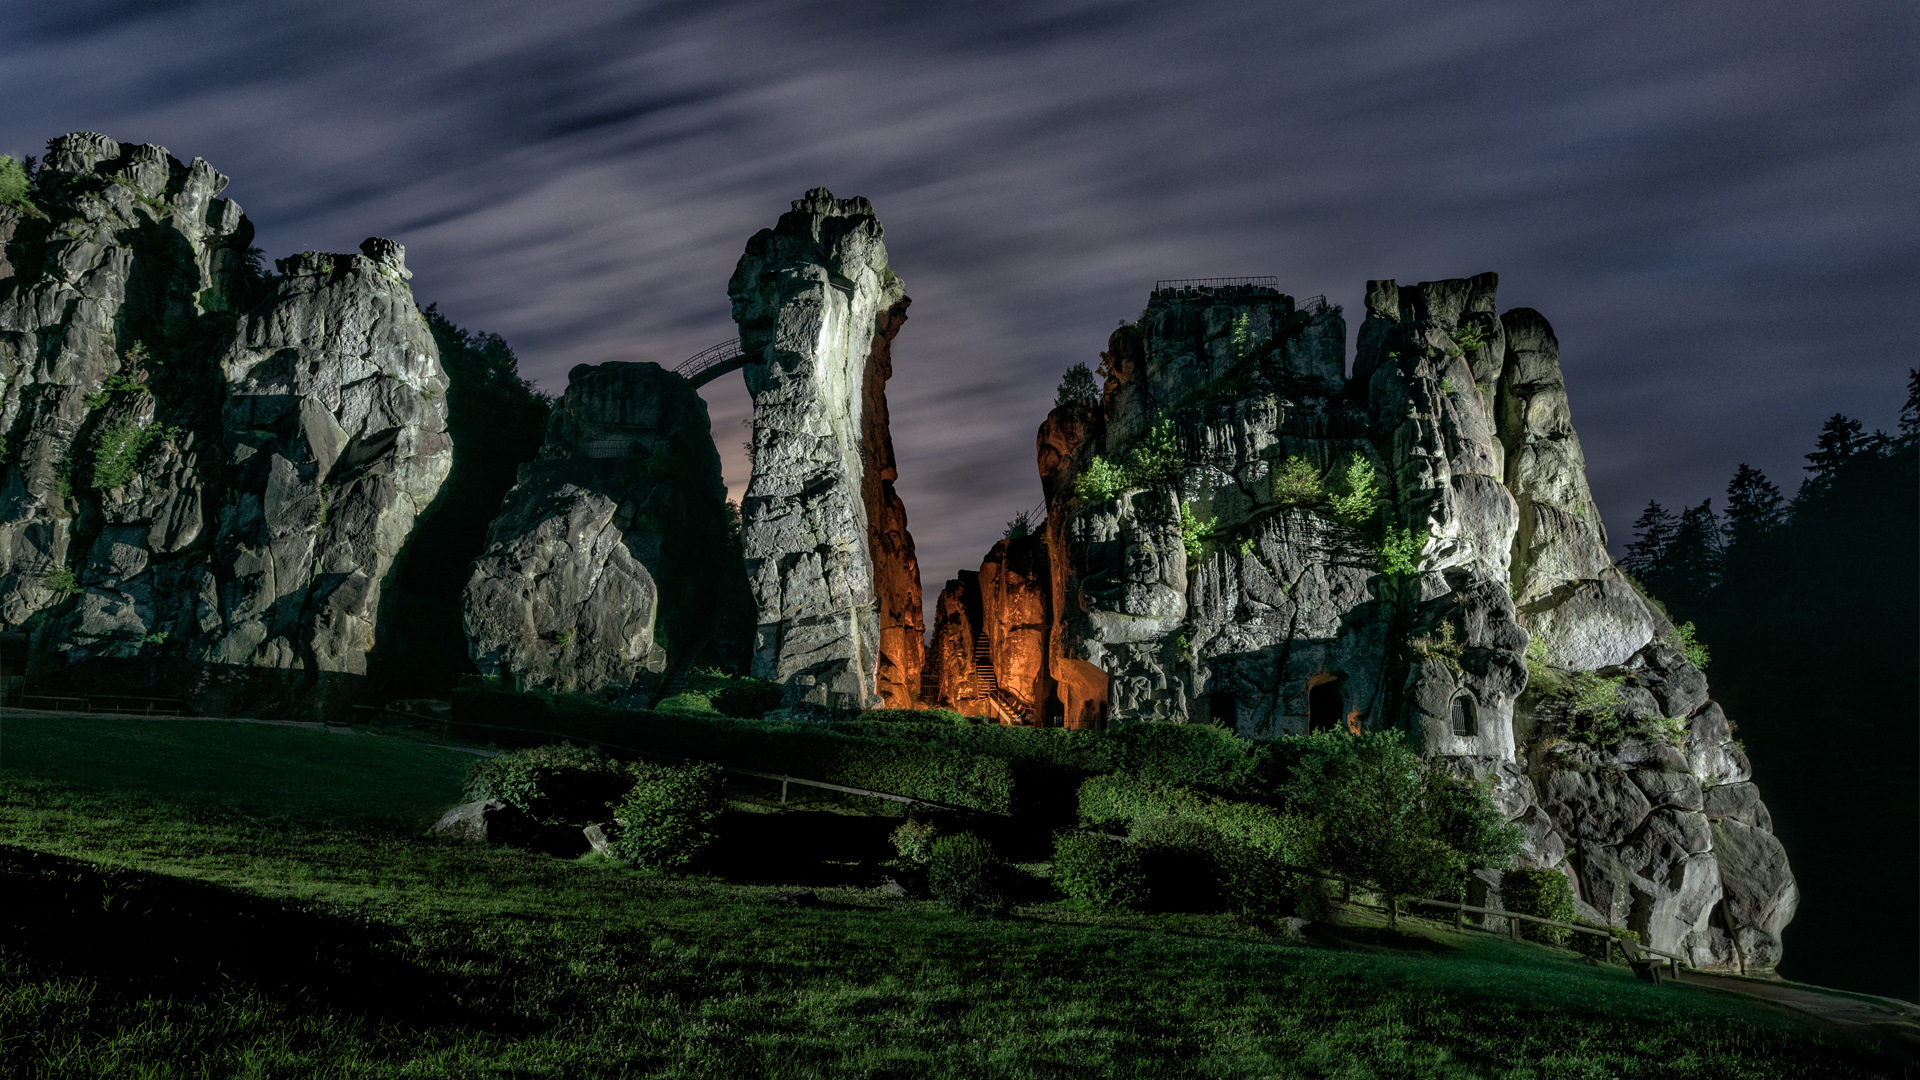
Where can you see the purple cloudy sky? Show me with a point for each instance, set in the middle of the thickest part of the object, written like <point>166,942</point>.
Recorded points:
<point>1704,198</point>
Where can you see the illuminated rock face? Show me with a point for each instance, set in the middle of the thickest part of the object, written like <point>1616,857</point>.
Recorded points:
<point>1283,620</point>
<point>612,564</point>
<point>826,545</point>
<point>210,471</point>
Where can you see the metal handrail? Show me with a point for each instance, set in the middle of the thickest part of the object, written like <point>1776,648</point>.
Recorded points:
<point>710,357</point>
<point>1266,280</point>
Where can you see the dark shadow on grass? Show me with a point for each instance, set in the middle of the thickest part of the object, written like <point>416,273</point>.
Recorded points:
<point>812,849</point>
<point>1375,939</point>
<point>144,933</point>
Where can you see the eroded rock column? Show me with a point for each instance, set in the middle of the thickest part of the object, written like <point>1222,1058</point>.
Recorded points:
<point>817,308</point>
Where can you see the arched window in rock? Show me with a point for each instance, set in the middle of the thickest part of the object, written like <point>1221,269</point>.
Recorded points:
<point>1465,722</point>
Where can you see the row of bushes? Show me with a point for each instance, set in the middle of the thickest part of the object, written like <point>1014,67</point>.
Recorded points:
<point>930,754</point>
<point>662,816</point>
<point>1367,809</point>
<point>814,751</point>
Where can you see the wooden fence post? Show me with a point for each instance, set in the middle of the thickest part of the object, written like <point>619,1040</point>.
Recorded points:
<point>1513,925</point>
<point>1460,918</point>
<point>1393,912</point>
<point>1609,948</point>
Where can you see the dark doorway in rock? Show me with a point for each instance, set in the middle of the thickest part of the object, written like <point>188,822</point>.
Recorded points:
<point>1224,707</point>
<point>1323,705</point>
<point>1465,721</point>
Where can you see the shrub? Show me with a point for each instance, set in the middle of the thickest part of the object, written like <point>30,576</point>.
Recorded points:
<point>1119,800</point>
<point>1157,459</point>
<point>1077,387</point>
<point>1356,497</point>
<point>913,841</point>
<point>1544,894</point>
<point>964,873</point>
<point>1102,480</point>
<point>687,702</point>
<point>13,183</point>
<point>744,697</point>
<point>1399,552</point>
<point>560,783</point>
<point>666,819</point>
<point>1298,483</point>
<point>1393,819</point>
<point>1441,645</point>
<point>1690,646</point>
<point>1020,526</point>
<point>1541,673</point>
<point>61,580</point>
<point>1194,532</point>
<point>1099,870</point>
<point>1594,705</point>
<point>1469,337</point>
<point>916,716</point>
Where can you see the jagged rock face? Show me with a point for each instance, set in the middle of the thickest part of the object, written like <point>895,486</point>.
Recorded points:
<point>209,472</point>
<point>991,635</point>
<point>613,560</point>
<point>896,569</point>
<point>1285,623</point>
<point>811,296</point>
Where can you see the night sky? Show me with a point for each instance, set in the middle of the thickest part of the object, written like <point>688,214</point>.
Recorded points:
<point>1713,203</point>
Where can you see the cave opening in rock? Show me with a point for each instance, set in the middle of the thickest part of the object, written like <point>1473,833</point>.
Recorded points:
<point>1465,722</point>
<point>1323,704</point>
<point>1224,707</point>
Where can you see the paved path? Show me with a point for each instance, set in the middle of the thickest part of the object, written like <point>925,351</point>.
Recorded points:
<point>1893,1024</point>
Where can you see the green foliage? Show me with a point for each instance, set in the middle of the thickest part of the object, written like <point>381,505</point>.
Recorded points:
<point>62,486</point>
<point>1395,820</point>
<point>1244,546</point>
<point>687,701</point>
<point>667,818</point>
<point>1541,674</point>
<point>1077,388</point>
<point>1544,894</point>
<point>158,637</point>
<point>1243,342</point>
<point>117,449</point>
<point>1440,645</point>
<point>1684,638</point>
<point>913,841</point>
<point>1447,387</point>
<point>1594,710</point>
<point>1399,552</point>
<point>736,695</point>
<point>301,826</point>
<point>944,717</point>
<point>964,873</point>
<point>1020,526</point>
<point>1469,337</point>
<point>1100,481</point>
<point>1356,497</point>
<point>1194,532</point>
<point>924,761</point>
<point>559,783</point>
<point>1298,483</point>
<point>61,580</point>
<point>1157,458</point>
<point>1597,947</point>
<point>14,184</point>
<point>1099,870</point>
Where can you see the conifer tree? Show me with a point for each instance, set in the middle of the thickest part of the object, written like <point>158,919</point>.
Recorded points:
<point>1754,507</point>
<point>1841,440</point>
<point>1910,412</point>
<point>1652,533</point>
<point>1690,572</point>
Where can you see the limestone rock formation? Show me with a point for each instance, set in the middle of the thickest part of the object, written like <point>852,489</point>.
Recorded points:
<point>209,470</point>
<point>827,549</point>
<point>992,632</point>
<point>1307,607</point>
<point>613,561</point>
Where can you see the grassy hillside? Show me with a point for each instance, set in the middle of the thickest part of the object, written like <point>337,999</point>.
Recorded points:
<point>237,900</point>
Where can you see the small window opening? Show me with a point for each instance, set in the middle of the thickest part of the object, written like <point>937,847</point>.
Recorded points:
<point>1224,707</point>
<point>1323,706</point>
<point>1464,721</point>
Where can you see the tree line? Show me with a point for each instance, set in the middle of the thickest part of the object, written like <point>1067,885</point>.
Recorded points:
<point>1811,606</point>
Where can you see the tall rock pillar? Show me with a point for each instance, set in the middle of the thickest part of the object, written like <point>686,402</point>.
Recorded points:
<point>827,550</point>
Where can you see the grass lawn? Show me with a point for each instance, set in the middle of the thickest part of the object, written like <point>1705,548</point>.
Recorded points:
<point>200,899</point>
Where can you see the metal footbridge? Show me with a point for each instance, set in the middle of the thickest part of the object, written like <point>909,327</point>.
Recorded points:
<point>709,364</point>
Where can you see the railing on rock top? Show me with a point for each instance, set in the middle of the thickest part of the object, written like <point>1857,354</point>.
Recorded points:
<point>1263,280</point>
